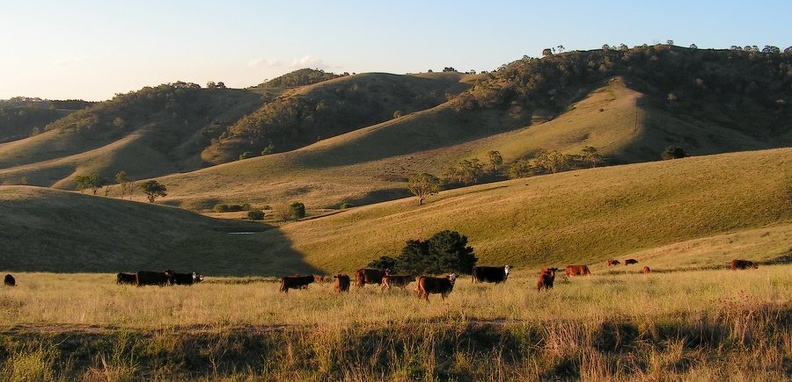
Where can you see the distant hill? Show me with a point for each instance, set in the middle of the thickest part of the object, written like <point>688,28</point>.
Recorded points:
<point>21,117</point>
<point>329,139</point>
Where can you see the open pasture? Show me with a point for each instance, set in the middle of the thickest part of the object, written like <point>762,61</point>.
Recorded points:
<point>95,300</point>
<point>699,324</point>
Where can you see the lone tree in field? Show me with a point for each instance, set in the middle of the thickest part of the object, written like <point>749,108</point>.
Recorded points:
<point>423,185</point>
<point>123,180</point>
<point>153,190</point>
<point>496,160</point>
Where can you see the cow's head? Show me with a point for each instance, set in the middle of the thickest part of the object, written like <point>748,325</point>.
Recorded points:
<point>507,269</point>
<point>452,277</point>
<point>196,277</point>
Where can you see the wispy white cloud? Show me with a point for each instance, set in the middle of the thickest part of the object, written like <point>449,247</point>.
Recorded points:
<point>264,62</point>
<point>309,62</point>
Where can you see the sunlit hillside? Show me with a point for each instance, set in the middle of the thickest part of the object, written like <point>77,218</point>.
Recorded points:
<point>584,216</point>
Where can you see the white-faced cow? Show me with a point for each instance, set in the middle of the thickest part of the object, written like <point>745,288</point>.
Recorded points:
<point>186,278</point>
<point>295,282</point>
<point>154,278</point>
<point>365,276</point>
<point>437,285</point>
<point>491,274</point>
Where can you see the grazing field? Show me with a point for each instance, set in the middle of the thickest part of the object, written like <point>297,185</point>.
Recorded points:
<point>695,325</point>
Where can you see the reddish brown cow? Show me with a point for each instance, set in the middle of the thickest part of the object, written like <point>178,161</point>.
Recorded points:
<point>319,279</point>
<point>295,282</point>
<point>645,269</point>
<point>630,261</point>
<point>438,285</point>
<point>341,283</point>
<point>546,279</point>
<point>743,264</point>
<point>613,262</point>
<point>369,276</point>
<point>577,270</point>
<point>400,281</point>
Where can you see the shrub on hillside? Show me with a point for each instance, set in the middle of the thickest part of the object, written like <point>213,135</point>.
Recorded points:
<point>297,210</point>
<point>256,215</point>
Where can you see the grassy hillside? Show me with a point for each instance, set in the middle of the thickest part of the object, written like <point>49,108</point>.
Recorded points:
<point>584,216</point>
<point>57,231</point>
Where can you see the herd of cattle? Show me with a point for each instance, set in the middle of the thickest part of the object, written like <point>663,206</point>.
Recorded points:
<point>166,277</point>
<point>426,285</point>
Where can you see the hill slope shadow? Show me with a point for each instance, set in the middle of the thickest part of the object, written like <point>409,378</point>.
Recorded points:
<point>54,231</point>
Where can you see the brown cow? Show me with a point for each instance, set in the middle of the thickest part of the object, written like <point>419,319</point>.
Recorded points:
<point>441,285</point>
<point>9,280</point>
<point>546,279</point>
<point>365,276</point>
<point>154,278</point>
<point>295,282</point>
<point>613,262</point>
<point>630,261</point>
<point>645,269</point>
<point>341,283</point>
<point>319,279</point>
<point>743,264</point>
<point>400,281</point>
<point>577,270</point>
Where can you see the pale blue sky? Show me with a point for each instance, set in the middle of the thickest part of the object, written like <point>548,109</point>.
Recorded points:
<point>95,49</point>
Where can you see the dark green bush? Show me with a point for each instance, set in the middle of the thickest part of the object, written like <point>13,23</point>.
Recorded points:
<point>255,215</point>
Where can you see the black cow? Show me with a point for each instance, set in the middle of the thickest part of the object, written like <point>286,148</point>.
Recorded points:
<point>154,278</point>
<point>126,278</point>
<point>630,261</point>
<point>9,280</point>
<point>186,278</point>
<point>438,285</point>
<point>743,264</point>
<point>295,282</point>
<point>491,274</point>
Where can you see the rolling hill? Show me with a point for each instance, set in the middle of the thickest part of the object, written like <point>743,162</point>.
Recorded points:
<point>648,210</point>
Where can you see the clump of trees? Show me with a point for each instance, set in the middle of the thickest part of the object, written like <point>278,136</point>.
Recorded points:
<point>445,252</point>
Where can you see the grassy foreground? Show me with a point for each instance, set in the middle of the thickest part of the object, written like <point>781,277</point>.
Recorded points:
<point>694,325</point>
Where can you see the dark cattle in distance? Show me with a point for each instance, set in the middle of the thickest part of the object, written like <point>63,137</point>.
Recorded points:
<point>186,278</point>
<point>9,280</point>
<point>437,285</point>
<point>646,270</point>
<point>365,276</point>
<point>743,264</point>
<point>546,279</point>
<point>341,283</point>
<point>577,270</point>
<point>126,278</point>
<point>630,261</point>
<point>153,278</point>
<point>295,282</point>
<point>491,274</point>
<point>613,262</point>
<point>400,281</point>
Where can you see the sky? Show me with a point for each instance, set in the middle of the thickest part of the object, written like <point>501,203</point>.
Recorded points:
<point>93,50</point>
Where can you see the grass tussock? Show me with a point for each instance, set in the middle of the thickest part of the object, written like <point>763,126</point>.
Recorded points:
<point>702,325</point>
